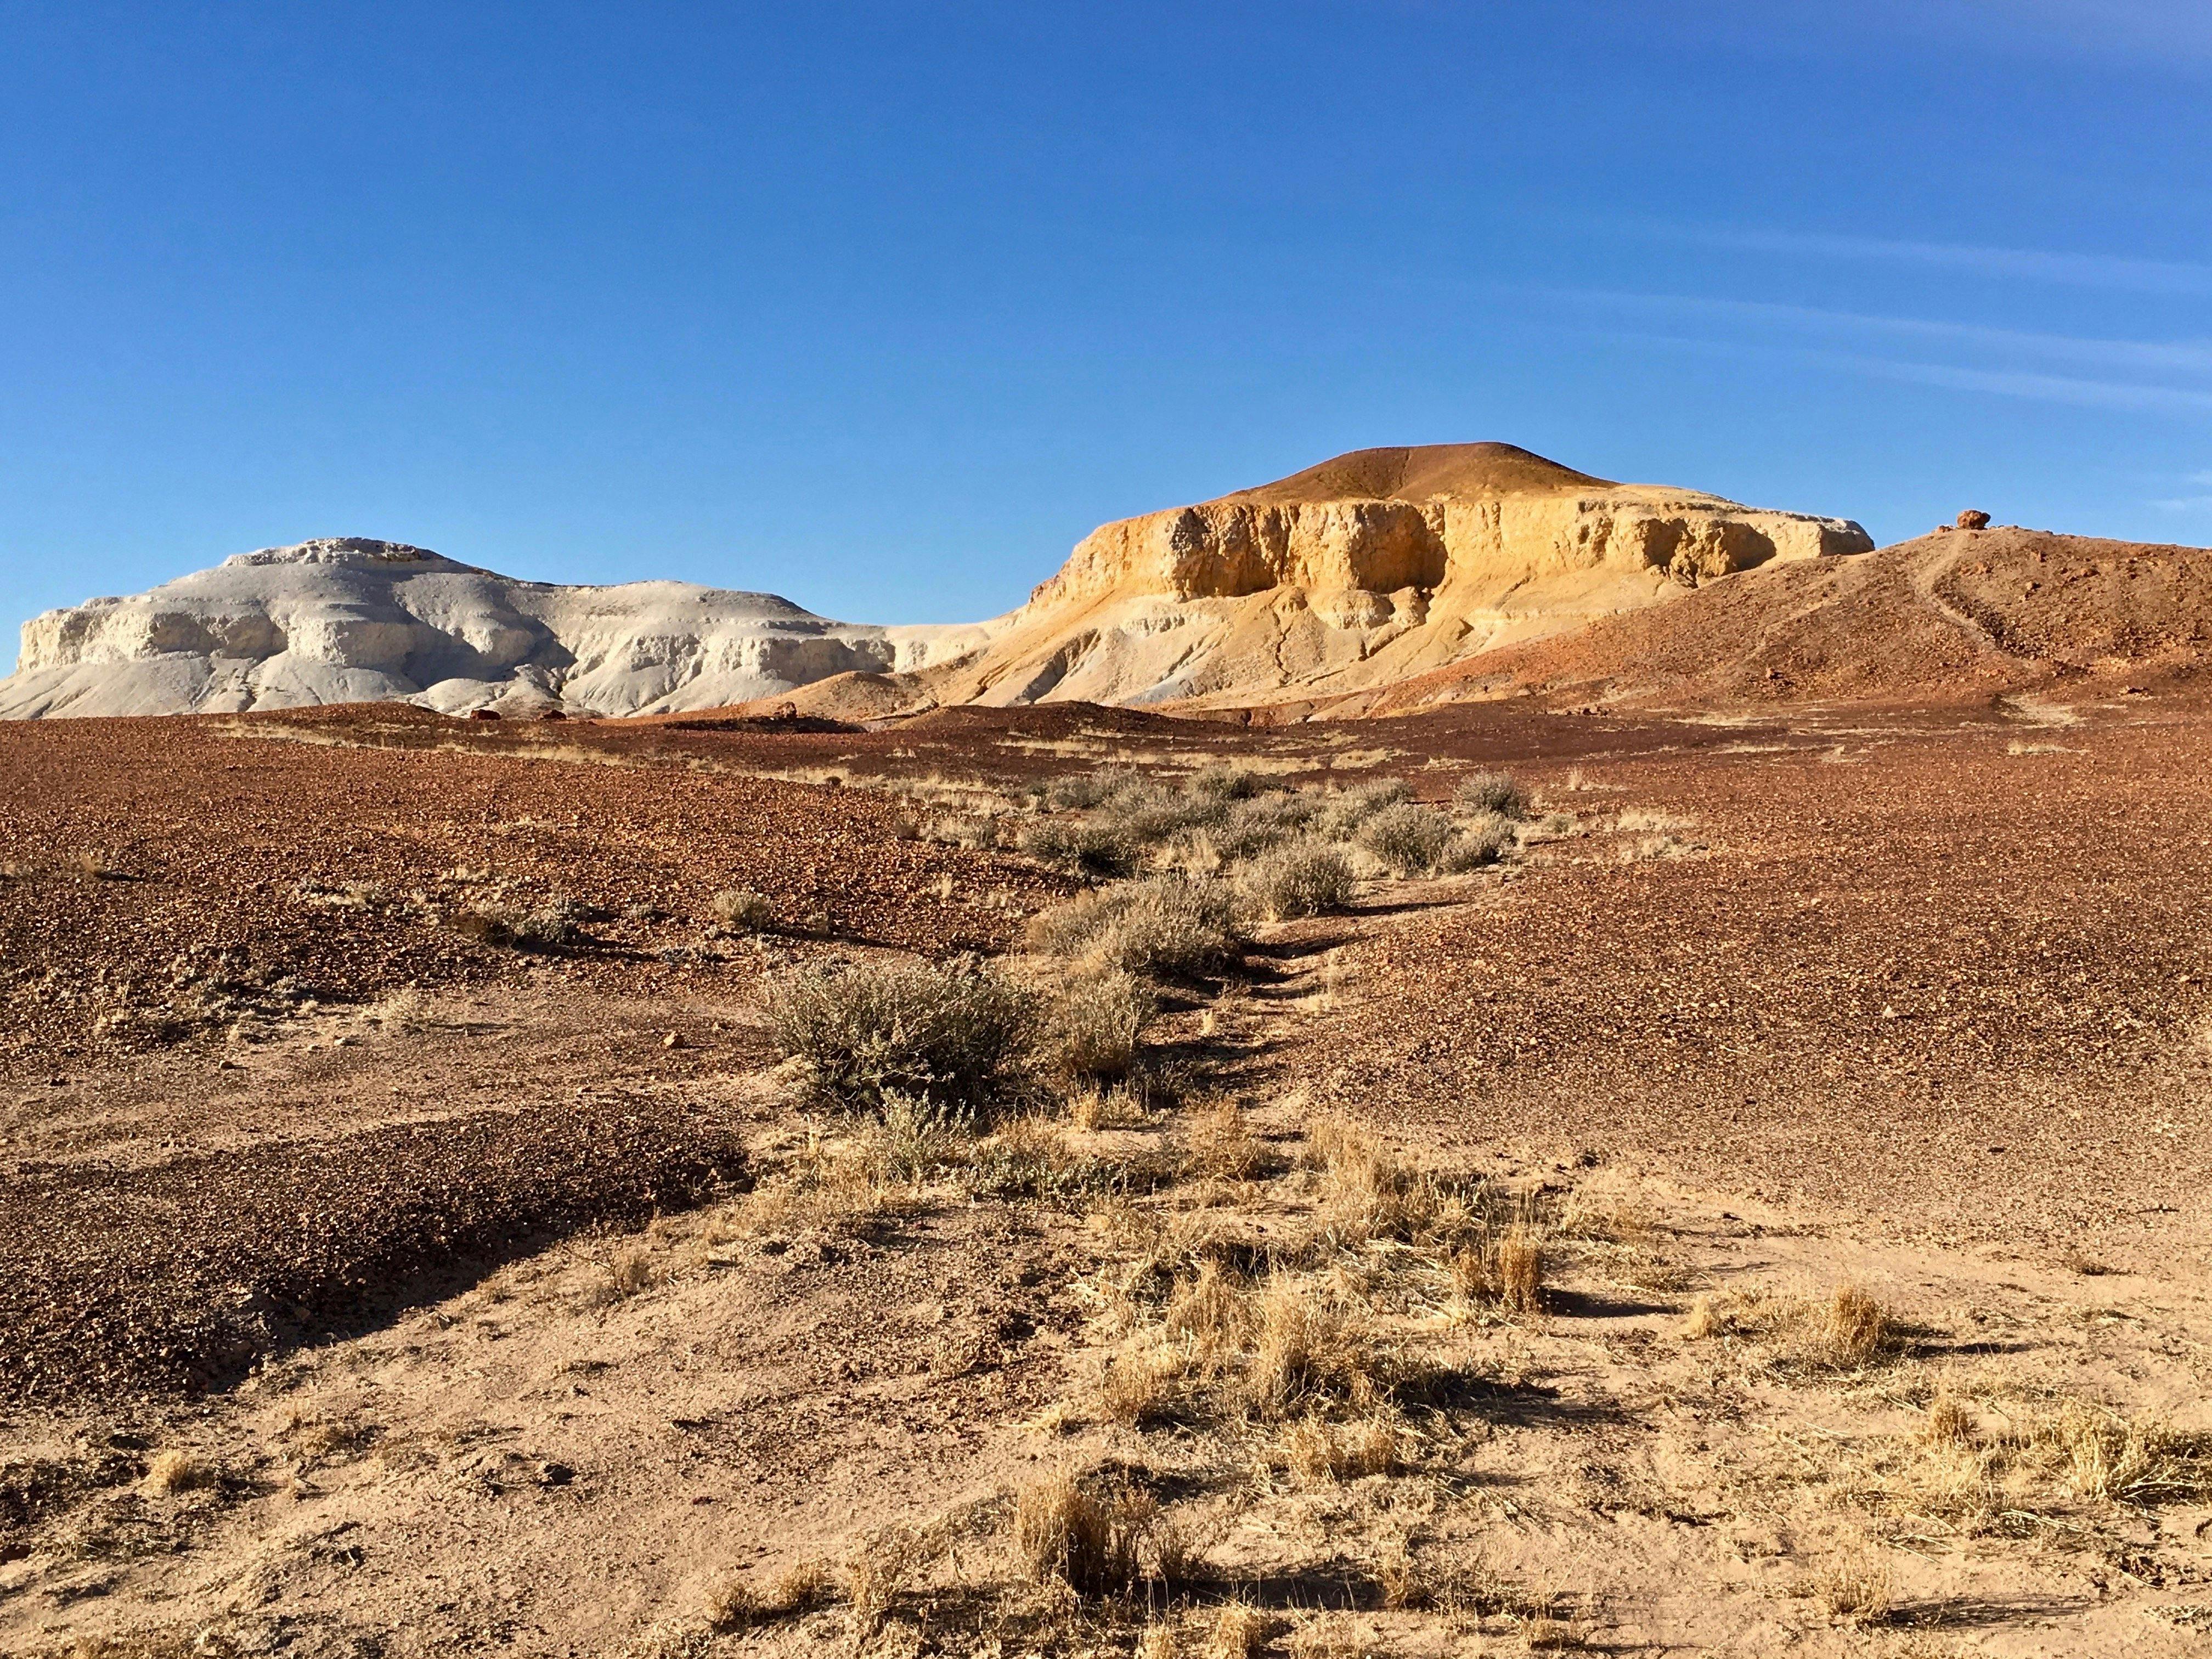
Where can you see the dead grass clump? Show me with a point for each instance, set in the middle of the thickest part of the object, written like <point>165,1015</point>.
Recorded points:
<point>1168,927</point>
<point>826,1188</point>
<point>178,1471</point>
<point>742,908</point>
<point>1302,1348</point>
<point>1316,1450</point>
<point>1854,1328</point>
<point>1491,791</point>
<point>955,1039</point>
<point>1856,1589</point>
<point>1220,1145</point>
<point>1085,1535</point>
<point>1408,838</point>
<point>1507,1271</point>
<point>1093,1026</point>
<point>1305,878</point>
<point>1239,1631</point>
<point>1367,1192</point>
<point>883,1564</point>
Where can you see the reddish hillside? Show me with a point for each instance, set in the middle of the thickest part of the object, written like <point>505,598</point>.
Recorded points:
<point>1951,615</point>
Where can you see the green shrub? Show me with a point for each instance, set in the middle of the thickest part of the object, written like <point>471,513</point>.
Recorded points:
<point>1408,837</point>
<point>1093,1027</point>
<point>1081,791</point>
<point>1482,841</point>
<point>1349,809</point>
<point>546,927</point>
<point>1256,826</point>
<point>1167,927</point>
<point>1095,849</point>
<point>951,1040</point>
<point>1305,878</point>
<point>1492,792</point>
<point>1222,782</point>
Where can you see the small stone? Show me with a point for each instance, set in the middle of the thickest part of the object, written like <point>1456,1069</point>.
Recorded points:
<point>1972,518</point>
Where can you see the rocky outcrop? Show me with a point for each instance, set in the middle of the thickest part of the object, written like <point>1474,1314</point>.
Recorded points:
<point>1370,568</point>
<point>1367,569</point>
<point>351,620</point>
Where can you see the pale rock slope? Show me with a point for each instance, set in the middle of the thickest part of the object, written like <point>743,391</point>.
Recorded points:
<point>1366,569</point>
<point>350,620</point>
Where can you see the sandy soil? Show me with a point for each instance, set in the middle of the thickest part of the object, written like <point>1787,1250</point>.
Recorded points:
<point>1776,1005</point>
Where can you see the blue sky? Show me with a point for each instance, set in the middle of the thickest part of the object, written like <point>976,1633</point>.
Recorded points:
<point>881,307</point>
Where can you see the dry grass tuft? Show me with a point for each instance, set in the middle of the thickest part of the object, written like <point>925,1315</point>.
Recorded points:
<point>1239,1631</point>
<point>1220,1145</point>
<point>1084,1537</point>
<point>883,1564</point>
<point>741,907</point>
<point>176,1471</point>
<point>1318,1451</point>
<point>1856,1589</point>
<point>1854,1329</point>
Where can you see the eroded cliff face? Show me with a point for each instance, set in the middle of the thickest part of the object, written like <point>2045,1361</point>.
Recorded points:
<point>1365,568</point>
<point>349,619</point>
<point>1227,548</point>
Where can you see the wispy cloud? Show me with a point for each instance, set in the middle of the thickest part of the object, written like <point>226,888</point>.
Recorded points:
<point>2009,383</point>
<point>2077,270</point>
<point>2050,388</point>
<point>2186,357</point>
<point>2172,377</point>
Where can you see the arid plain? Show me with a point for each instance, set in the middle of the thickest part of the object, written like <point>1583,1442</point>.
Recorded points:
<point>1736,1190</point>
